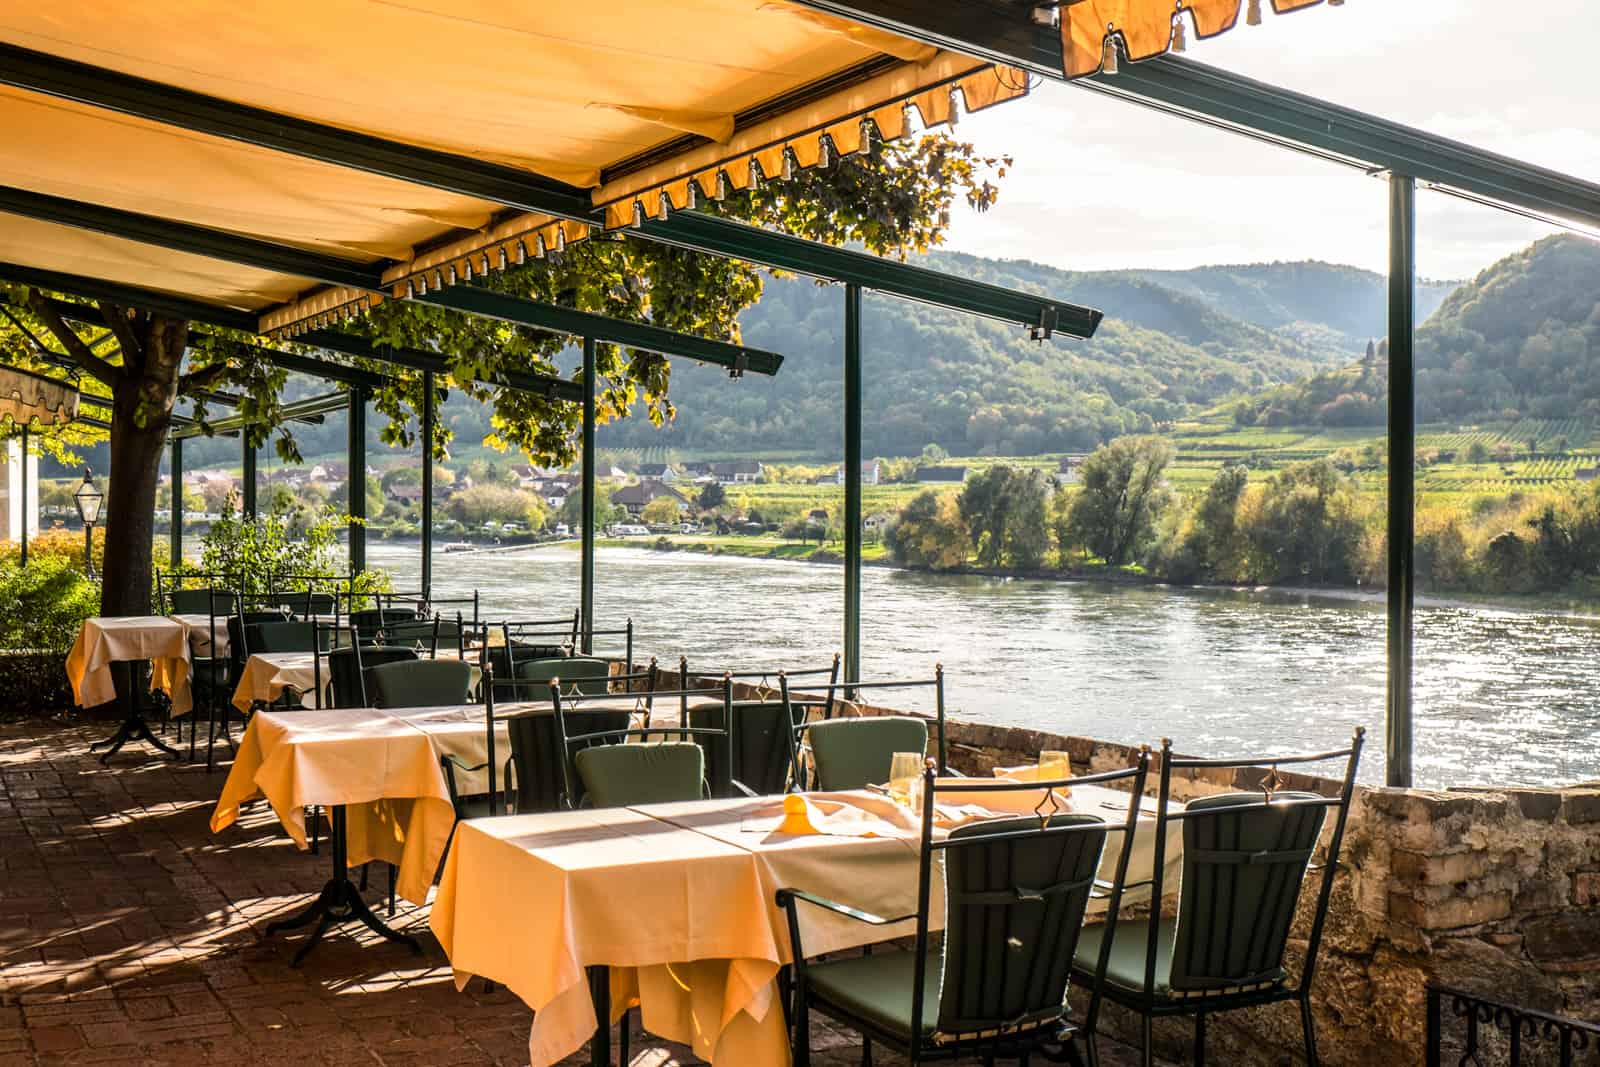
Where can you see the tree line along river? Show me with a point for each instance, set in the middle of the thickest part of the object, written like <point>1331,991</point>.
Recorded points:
<point>1501,697</point>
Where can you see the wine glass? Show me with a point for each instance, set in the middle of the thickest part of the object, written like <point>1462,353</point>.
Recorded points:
<point>904,768</point>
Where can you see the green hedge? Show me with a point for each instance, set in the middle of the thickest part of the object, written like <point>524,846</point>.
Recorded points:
<point>33,684</point>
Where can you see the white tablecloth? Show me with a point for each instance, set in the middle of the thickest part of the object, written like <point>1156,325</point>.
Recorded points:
<point>104,641</point>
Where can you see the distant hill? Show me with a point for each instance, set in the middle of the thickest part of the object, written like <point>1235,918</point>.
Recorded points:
<point>975,386</point>
<point>1312,296</point>
<point>1522,339</point>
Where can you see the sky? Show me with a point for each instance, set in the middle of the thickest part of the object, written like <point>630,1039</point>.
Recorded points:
<point>1099,183</point>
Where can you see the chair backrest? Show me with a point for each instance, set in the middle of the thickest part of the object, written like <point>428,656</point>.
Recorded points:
<point>346,667</point>
<point>305,603</point>
<point>368,622</point>
<point>421,634</point>
<point>418,683</point>
<point>280,636</point>
<point>763,746</point>
<point>1014,904</point>
<point>1245,861</point>
<point>852,753</point>
<point>200,601</point>
<point>1015,894</point>
<point>1243,866</point>
<point>545,779</point>
<point>579,674</point>
<point>615,776</point>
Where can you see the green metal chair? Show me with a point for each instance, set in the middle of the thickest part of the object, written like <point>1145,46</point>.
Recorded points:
<point>853,753</point>
<point>418,683</point>
<point>1245,861</point>
<point>762,741</point>
<point>346,669</point>
<point>588,675</point>
<point>996,984</point>
<point>420,634</point>
<point>618,776</point>
<point>280,636</point>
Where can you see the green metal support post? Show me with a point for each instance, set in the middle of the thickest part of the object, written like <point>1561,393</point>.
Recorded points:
<point>22,534</point>
<point>429,416</point>
<point>1402,475</point>
<point>356,485</point>
<point>249,479</point>
<point>586,576</point>
<point>852,482</point>
<point>175,534</point>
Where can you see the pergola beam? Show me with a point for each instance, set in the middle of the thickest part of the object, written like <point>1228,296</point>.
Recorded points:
<point>186,237</point>
<point>469,299</point>
<point>736,240</point>
<point>210,314</point>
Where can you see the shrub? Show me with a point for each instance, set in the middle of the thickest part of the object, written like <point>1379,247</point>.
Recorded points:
<point>43,605</point>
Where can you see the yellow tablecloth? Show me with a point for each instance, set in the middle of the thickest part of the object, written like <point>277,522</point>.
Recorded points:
<point>104,641</point>
<point>267,674</point>
<point>678,899</point>
<point>383,765</point>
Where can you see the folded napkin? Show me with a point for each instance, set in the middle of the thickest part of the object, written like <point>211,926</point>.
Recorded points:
<point>807,815</point>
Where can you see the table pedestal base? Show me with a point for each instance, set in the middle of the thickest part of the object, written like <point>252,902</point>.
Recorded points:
<point>133,728</point>
<point>339,902</point>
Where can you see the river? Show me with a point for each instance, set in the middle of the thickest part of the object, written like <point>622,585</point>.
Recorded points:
<point>1501,697</point>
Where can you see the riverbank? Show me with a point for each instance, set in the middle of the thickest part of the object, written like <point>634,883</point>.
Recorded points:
<point>875,554</point>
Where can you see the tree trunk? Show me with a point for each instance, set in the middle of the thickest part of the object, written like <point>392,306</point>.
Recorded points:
<point>136,448</point>
<point>129,513</point>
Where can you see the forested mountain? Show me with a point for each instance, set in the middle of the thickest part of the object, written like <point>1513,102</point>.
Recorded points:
<point>975,386</point>
<point>1316,300</point>
<point>1522,339</point>
<point>1172,341</point>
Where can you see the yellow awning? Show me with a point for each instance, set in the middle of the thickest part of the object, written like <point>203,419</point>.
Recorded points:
<point>1145,28</point>
<point>633,100</point>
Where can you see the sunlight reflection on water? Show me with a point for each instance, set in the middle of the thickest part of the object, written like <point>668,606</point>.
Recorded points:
<point>1501,697</point>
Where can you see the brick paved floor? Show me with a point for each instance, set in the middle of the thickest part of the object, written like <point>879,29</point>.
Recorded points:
<point>130,935</point>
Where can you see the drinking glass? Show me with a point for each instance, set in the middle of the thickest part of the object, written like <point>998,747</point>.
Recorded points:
<point>1054,765</point>
<point>904,769</point>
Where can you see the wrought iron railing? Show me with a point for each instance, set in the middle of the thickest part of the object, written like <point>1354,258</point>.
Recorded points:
<point>1478,1027</point>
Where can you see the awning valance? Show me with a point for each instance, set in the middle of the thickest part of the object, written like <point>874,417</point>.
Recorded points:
<point>28,397</point>
<point>1146,28</point>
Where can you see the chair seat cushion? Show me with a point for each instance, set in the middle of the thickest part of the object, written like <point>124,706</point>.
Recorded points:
<point>1125,968</point>
<point>877,988</point>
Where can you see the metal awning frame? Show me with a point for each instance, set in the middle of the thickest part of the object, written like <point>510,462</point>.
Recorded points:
<point>508,187</point>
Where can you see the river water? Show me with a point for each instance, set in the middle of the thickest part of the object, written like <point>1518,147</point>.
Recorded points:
<point>1501,697</point>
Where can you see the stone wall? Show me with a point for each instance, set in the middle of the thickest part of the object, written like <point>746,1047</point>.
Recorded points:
<point>1494,891</point>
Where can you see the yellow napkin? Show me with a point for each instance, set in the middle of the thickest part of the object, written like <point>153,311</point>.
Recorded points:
<point>803,815</point>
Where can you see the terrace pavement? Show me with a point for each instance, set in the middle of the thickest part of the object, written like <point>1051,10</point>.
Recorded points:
<point>129,934</point>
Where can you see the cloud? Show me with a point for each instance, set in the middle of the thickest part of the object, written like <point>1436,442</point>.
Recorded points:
<point>1101,183</point>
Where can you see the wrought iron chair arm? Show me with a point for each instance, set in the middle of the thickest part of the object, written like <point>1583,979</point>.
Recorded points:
<point>787,896</point>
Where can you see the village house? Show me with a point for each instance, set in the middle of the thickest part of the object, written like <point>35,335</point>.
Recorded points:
<point>738,472</point>
<point>870,469</point>
<point>1069,468</point>
<point>941,474</point>
<point>636,497</point>
<point>658,472</point>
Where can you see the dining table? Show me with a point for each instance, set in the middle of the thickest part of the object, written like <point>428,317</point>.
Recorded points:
<point>378,773</point>
<point>672,907</point>
<point>103,641</point>
<point>268,675</point>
